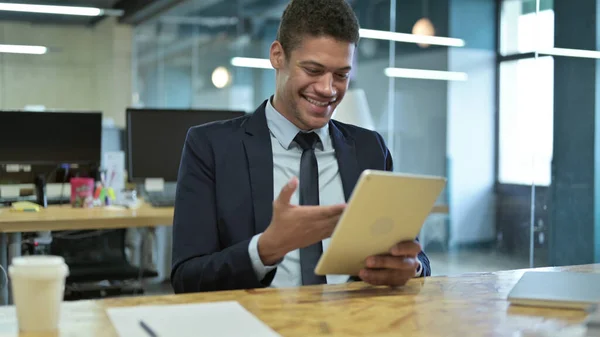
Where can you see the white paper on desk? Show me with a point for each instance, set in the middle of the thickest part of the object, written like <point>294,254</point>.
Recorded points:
<point>218,319</point>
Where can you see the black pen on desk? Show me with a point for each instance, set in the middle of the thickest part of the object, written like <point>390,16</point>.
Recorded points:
<point>149,330</point>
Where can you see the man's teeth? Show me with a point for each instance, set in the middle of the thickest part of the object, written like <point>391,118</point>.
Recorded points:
<point>317,102</point>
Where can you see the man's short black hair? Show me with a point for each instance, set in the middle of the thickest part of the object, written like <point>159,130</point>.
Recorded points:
<point>317,18</point>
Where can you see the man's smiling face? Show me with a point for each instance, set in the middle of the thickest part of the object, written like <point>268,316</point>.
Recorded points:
<point>311,80</point>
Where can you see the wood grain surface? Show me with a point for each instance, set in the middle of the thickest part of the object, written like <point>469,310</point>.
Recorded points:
<point>466,305</point>
<point>65,217</point>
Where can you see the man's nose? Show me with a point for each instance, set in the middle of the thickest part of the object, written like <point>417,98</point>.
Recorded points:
<point>325,86</point>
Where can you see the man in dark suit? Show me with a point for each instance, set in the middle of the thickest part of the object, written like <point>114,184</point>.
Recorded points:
<point>243,219</point>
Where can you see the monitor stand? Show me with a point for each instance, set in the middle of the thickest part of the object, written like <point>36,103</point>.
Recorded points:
<point>40,191</point>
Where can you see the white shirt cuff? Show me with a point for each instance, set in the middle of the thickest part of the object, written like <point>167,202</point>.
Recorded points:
<point>259,268</point>
<point>419,269</point>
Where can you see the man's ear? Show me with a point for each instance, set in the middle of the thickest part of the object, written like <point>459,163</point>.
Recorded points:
<point>276,55</point>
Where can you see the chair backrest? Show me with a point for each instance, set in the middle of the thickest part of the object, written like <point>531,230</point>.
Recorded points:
<point>90,246</point>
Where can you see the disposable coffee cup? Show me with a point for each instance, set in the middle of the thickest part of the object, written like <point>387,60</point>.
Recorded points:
<point>38,287</point>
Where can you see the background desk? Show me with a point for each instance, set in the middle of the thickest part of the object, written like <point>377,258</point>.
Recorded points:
<point>65,217</point>
<point>467,305</point>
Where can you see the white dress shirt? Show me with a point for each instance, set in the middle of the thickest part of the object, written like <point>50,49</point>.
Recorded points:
<point>286,164</point>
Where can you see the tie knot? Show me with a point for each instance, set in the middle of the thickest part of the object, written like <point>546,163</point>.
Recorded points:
<point>307,140</point>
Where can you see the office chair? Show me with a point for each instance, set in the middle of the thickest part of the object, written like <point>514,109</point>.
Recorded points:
<point>98,266</point>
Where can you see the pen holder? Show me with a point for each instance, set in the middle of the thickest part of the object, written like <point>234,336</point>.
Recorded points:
<point>82,192</point>
<point>104,196</point>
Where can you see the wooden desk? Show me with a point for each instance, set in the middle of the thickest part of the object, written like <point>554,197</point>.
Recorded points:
<point>65,217</point>
<point>467,305</point>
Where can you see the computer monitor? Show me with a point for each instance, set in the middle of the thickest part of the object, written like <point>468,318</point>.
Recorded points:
<point>155,139</point>
<point>50,137</point>
<point>47,147</point>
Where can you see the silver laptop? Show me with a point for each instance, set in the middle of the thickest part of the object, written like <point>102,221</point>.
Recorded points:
<point>557,289</point>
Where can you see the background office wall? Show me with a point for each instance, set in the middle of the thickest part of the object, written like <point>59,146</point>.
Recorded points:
<point>445,127</point>
<point>419,111</point>
<point>86,68</point>
<point>433,126</point>
<point>472,122</point>
<point>175,71</point>
<point>575,190</point>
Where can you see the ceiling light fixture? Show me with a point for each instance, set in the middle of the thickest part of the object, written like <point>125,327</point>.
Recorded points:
<point>260,63</point>
<point>249,62</point>
<point>411,38</point>
<point>426,74</point>
<point>592,54</point>
<point>22,49</point>
<point>221,77</point>
<point>53,9</point>
<point>424,26</point>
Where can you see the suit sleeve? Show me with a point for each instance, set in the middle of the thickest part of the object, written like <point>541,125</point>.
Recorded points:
<point>389,166</point>
<point>200,262</point>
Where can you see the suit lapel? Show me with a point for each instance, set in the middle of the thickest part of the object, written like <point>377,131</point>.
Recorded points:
<point>259,154</point>
<point>345,152</point>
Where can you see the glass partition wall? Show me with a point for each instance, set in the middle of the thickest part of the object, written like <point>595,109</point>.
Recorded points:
<point>473,91</point>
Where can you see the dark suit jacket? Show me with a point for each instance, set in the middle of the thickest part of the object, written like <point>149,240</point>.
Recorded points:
<point>225,197</point>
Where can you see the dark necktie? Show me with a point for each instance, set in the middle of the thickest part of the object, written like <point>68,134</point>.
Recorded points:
<point>309,195</point>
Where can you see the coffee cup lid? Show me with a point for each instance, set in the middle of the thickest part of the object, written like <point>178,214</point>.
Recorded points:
<point>38,261</point>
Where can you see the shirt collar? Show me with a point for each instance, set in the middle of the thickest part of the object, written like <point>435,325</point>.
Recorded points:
<point>285,131</point>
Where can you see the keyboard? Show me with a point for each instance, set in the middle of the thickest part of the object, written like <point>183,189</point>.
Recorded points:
<point>160,199</point>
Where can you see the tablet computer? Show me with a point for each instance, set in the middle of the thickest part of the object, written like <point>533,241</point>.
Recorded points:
<point>385,208</point>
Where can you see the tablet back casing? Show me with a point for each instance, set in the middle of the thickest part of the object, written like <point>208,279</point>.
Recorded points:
<point>385,208</point>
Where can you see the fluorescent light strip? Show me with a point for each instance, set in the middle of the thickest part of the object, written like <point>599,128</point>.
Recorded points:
<point>250,62</point>
<point>47,9</point>
<point>20,49</point>
<point>571,52</point>
<point>411,38</point>
<point>426,74</point>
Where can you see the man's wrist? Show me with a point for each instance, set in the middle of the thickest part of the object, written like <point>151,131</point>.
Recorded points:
<point>259,268</point>
<point>419,270</point>
<point>268,251</point>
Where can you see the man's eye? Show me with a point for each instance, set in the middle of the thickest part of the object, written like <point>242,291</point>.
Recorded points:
<point>312,71</point>
<point>343,76</point>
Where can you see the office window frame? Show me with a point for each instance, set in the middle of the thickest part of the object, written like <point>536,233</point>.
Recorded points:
<point>500,59</point>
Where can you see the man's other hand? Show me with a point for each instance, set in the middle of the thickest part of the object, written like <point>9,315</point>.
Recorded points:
<point>394,268</point>
<point>293,227</point>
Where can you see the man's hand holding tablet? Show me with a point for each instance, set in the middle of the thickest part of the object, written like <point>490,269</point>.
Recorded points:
<point>395,268</point>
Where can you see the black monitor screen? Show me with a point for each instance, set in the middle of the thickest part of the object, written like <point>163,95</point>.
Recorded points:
<point>28,137</point>
<point>155,139</point>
